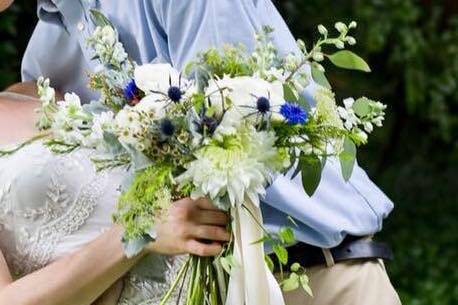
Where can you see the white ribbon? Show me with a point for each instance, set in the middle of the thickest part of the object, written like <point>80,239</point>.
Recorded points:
<point>251,282</point>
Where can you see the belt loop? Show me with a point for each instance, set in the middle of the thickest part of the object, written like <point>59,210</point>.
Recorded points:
<point>328,257</point>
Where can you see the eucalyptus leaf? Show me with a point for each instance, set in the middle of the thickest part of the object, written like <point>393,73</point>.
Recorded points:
<point>289,93</point>
<point>139,160</point>
<point>95,107</point>
<point>133,247</point>
<point>349,60</point>
<point>112,144</point>
<point>362,106</point>
<point>302,101</point>
<point>311,170</point>
<point>348,158</point>
<point>320,78</point>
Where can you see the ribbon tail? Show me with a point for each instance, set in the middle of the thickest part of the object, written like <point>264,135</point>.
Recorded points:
<point>251,282</point>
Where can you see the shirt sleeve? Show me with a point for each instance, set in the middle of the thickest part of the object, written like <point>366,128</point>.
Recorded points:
<point>54,53</point>
<point>338,207</point>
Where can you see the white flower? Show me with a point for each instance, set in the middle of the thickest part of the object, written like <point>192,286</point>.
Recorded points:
<point>152,105</point>
<point>238,170</point>
<point>348,114</point>
<point>107,35</point>
<point>132,127</point>
<point>341,27</point>
<point>368,127</point>
<point>243,92</point>
<point>156,77</point>
<point>71,123</point>
<point>322,29</point>
<point>229,124</point>
<point>103,122</point>
<point>119,54</point>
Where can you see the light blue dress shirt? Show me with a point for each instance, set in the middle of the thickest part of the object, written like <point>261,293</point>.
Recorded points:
<point>174,31</point>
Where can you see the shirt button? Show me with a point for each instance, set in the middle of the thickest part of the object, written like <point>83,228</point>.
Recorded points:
<point>80,26</point>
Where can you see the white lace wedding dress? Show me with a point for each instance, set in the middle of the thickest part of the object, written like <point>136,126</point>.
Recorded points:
<point>51,205</point>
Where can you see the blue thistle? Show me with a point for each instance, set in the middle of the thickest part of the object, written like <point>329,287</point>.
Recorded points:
<point>175,94</point>
<point>167,128</point>
<point>263,105</point>
<point>293,113</point>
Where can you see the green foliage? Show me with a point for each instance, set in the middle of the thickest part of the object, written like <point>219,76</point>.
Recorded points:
<point>147,197</point>
<point>349,60</point>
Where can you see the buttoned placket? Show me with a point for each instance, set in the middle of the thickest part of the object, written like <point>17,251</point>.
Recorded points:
<point>77,20</point>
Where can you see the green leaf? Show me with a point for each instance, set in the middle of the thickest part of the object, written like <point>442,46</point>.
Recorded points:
<point>261,240</point>
<point>281,253</point>
<point>269,263</point>
<point>304,281</point>
<point>291,283</point>
<point>320,78</point>
<point>289,93</point>
<point>228,262</point>
<point>311,173</point>
<point>362,107</point>
<point>287,235</point>
<point>295,267</point>
<point>348,158</point>
<point>100,19</point>
<point>348,60</point>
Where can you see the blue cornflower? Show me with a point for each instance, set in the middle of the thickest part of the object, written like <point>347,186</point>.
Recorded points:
<point>131,91</point>
<point>293,113</point>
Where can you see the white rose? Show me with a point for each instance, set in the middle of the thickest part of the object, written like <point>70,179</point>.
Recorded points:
<point>155,77</point>
<point>243,92</point>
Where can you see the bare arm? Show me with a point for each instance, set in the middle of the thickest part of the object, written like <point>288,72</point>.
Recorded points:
<point>25,88</point>
<point>80,278</point>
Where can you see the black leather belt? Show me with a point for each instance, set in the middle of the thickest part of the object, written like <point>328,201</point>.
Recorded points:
<point>351,248</point>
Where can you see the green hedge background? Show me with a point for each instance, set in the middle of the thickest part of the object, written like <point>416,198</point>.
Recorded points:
<point>412,47</point>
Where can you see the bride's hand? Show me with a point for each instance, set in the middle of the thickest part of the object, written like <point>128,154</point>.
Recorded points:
<point>191,226</point>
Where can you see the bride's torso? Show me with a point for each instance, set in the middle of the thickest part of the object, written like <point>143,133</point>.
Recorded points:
<point>51,205</point>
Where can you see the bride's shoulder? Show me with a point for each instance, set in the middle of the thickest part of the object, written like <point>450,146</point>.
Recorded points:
<point>17,118</point>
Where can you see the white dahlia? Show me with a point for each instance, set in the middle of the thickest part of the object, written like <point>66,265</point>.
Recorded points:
<point>236,169</point>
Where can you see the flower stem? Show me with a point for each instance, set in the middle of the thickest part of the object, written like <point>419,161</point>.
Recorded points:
<point>181,273</point>
<point>6,151</point>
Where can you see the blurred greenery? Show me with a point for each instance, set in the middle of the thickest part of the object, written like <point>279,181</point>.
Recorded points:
<point>412,47</point>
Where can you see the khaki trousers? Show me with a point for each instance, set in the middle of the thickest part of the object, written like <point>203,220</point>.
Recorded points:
<point>347,283</point>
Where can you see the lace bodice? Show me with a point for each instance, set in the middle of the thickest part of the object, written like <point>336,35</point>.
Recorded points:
<point>52,205</point>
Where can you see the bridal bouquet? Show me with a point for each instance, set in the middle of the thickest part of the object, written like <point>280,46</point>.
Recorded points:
<point>223,128</point>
